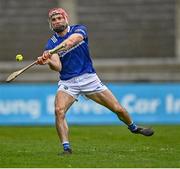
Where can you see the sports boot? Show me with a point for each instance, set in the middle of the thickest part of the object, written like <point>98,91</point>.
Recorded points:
<point>143,131</point>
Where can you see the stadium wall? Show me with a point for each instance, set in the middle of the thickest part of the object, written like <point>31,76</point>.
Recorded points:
<point>33,104</point>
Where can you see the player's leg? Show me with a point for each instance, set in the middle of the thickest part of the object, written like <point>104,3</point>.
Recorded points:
<point>63,101</point>
<point>107,99</point>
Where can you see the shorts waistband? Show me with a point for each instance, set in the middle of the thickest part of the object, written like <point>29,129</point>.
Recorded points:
<point>79,78</point>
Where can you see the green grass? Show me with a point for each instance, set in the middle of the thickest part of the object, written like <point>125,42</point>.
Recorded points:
<point>93,146</point>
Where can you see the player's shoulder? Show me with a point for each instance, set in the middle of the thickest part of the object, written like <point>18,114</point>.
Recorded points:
<point>78,26</point>
<point>53,39</point>
<point>81,29</point>
<point>51,42</point>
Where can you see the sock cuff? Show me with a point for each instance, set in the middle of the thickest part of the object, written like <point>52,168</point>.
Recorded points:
<point>132,126</point>
<point>131,123</point>
<point>66,145</point>
<point>65,142</point>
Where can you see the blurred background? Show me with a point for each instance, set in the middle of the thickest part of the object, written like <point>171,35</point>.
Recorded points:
<point>130,40</point>
<point>135,46</point>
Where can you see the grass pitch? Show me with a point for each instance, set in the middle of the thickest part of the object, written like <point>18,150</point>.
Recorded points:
<point>93,146</point>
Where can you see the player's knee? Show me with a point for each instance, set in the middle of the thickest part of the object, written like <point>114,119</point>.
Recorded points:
<point>60,112</point>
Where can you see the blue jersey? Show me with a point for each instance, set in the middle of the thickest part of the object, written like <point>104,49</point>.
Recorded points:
<point>75,61</point>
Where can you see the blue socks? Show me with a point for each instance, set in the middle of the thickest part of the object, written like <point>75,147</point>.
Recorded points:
<point>66,146</point>
<point>132,127</point>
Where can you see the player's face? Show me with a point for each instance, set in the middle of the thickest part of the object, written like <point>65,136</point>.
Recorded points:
<point>58,23</point>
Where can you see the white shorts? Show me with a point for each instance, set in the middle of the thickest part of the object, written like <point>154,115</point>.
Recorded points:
<point>82,85</point>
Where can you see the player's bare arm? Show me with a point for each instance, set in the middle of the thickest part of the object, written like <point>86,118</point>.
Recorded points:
<point>54,63</point>
<point>73,40</point>
<point>52,60</point>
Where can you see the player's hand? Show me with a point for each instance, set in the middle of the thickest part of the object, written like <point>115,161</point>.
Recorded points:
<point>44,59</point>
